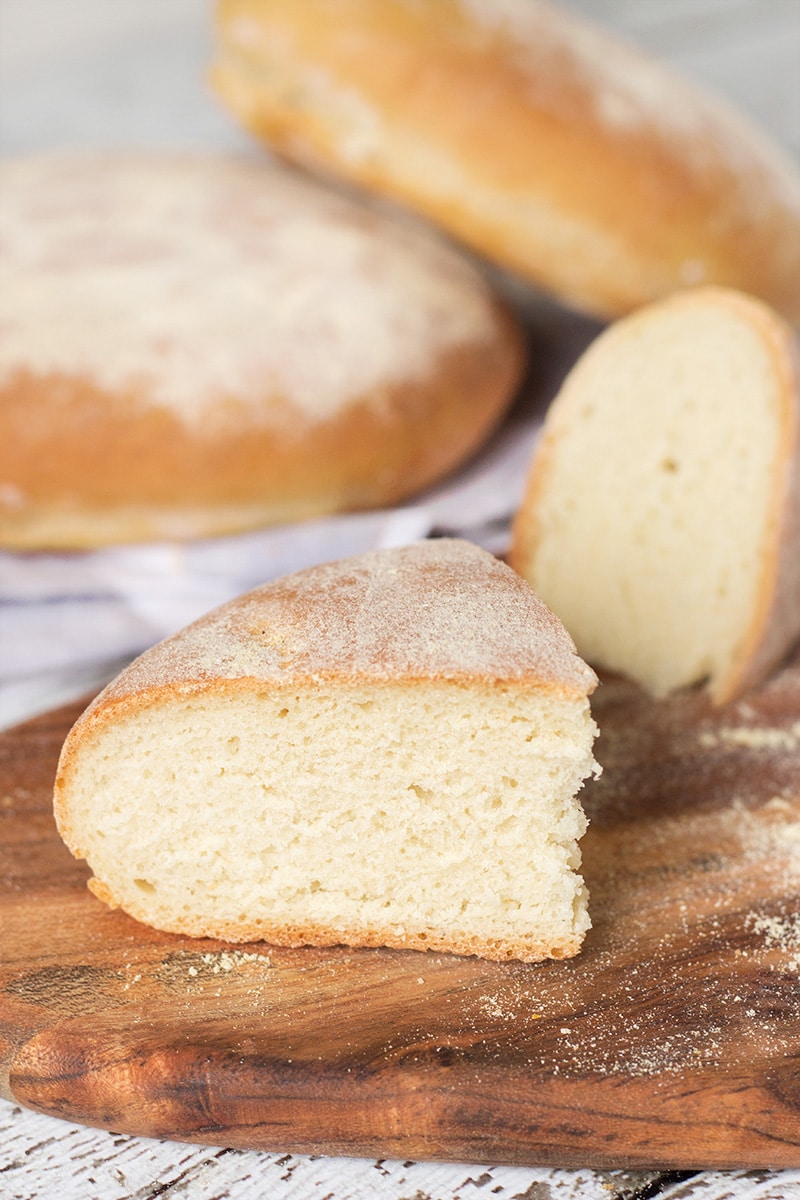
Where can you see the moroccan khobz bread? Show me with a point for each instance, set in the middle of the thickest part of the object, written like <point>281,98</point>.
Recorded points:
<point>547,145</point>
<point>661,519</point>
<point>194,345</point>
<point>381,751</point>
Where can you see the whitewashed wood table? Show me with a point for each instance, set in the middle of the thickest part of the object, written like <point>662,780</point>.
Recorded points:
<point>129,72</point>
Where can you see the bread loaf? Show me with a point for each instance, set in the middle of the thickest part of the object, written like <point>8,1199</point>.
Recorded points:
<point>545,144</point>
<point>197,345</point>
<point>661,519</point>
<point>382,751</point>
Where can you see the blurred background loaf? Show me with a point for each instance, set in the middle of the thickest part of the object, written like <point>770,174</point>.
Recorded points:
<point>197,344</point>
<point>540,140</point>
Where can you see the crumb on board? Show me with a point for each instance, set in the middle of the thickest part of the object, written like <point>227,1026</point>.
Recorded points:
<point>196,966</point>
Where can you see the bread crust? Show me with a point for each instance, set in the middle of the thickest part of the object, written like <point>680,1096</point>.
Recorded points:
<point>96,468</point>
<point>356,621</point>
<point>538,140</point>
<point>183,428</point>
<point>295,936</point>
<point>774,623</point>
<point>350,624</point>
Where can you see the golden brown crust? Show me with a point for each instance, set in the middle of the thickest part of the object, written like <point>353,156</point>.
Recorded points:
<point>101,891</point>
<point>95,468</point>
<point>539,141</point>
<point>140,439</point>
<point>436,610</point>
<point>776,620</point>
<point>294,936</point>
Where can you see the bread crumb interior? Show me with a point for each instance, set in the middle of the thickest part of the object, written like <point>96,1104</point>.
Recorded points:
<point>435,815</point>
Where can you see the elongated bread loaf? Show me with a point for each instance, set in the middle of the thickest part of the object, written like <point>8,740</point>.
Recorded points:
<point>543,143</point>
<point>662,515</point>
<point>197,345</point>
<point>384,750</point>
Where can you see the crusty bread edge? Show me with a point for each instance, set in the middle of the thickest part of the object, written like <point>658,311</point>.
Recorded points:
<point>296,936</point>
<point>775,622</point>
<point>383,448</point>
<point>707,199</point>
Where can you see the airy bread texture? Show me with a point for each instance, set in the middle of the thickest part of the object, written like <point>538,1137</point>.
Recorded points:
<point>661,519</point>
<point>382,751</point>
<point>196,345</point>
<point>541,142</point>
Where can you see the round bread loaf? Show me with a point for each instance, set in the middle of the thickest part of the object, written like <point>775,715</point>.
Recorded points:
<point>543,143</point>
<point>381,751</point>
<point>661,520</point>
<point>199,345</point>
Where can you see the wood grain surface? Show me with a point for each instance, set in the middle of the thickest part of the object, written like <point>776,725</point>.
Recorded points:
<point>672,1040</point>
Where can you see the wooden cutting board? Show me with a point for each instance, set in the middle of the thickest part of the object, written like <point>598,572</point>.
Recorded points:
<point>672,1041</point>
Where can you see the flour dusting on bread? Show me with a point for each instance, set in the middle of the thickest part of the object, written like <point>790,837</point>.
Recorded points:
<point>209,278</point>
<point>384,751</point>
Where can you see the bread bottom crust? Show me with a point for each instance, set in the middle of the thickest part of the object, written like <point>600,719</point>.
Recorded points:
<point>358,937</point>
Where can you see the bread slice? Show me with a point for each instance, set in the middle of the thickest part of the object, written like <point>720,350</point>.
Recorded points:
<point>661,519</point>
<point>541,141</point>
<point>382,751</point>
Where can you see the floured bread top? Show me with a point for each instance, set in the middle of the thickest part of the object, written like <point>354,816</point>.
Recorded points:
<point>540,140</point>
<point>624,87</point>
<point>442,609</point>
<point>565,65</point>
<point>194,279</point>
